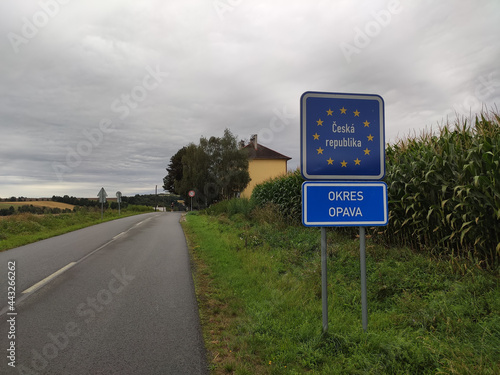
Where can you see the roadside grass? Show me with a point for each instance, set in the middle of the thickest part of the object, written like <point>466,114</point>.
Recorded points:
<point>22,229</point>
<point>259,290</point>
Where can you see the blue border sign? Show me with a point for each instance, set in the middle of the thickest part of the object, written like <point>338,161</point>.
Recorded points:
<point>342,136</point>
<point>343,204</point>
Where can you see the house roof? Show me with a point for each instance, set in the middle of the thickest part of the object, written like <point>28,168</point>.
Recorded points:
<point>262,152</point>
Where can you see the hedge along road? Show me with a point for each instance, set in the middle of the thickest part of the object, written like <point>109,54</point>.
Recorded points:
<point>124,304</point>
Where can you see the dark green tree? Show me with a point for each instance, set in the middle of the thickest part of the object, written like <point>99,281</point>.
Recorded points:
<point>195,172</point>
<point>174,169</point>
<point>215,169</point>
<point>228,169</point>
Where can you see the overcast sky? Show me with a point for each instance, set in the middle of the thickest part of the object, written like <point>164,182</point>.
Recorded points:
<point>103,93</point>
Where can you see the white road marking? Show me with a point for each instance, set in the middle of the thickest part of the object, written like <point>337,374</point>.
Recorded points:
<point>119,235</point>
<point>48,278</point>
<point>41,283</point>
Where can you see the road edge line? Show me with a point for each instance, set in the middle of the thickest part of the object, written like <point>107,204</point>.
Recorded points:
<point>41,283</point>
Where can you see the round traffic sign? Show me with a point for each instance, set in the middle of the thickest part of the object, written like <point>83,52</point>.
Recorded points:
<point>191,193</point>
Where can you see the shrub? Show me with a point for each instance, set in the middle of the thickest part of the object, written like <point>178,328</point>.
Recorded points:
<point>232,207</point>
<point>7,211</point>
<point>138,208</point>
<point>268,214</point>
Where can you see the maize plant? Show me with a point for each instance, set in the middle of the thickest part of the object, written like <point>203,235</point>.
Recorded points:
<point>283,191</point>
<point>444,191</point>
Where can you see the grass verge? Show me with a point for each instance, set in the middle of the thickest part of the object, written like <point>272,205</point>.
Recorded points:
<point>23,229</point>
<point>259,292</point>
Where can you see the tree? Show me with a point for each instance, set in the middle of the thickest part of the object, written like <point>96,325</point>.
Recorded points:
<point>228,169</point>
<point>194,173</point>
<point>216,169</point>
<point>174,170</point>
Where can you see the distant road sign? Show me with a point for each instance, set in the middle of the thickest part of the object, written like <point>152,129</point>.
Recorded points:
<point>343,204</point>
<point>342,136</point>
<point>191,193</point>
<point>102,195</point>
<point>118,196</point>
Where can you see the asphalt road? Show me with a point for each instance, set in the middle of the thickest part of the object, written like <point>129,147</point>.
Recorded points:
<point>125,304</point>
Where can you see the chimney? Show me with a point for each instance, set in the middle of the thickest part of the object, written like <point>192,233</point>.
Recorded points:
<point>242,144</point>
<point>253,139</point>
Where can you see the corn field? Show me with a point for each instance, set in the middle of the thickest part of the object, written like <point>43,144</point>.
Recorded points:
<point>285,193</point>
<point>444,191</point>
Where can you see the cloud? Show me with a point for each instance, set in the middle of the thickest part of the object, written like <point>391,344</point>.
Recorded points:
<point>239,65</point>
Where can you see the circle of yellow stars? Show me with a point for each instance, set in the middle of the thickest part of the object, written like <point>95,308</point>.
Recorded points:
<point>343,111</point>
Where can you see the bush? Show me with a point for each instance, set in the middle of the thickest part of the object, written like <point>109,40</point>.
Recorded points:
<point>114,205</point>
<point>232,207</point>
<point>269,214</point>
<point>241,206</point>
<point>137,208</point>
<point>7,211</point>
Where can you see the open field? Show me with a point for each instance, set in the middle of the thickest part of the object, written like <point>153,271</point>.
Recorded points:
<point>49,204</point>
<point>22,229</point>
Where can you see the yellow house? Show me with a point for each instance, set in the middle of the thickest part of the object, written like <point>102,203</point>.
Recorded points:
<point>263,164</point>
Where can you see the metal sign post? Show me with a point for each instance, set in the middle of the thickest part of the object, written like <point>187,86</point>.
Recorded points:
<point>119,200</point>
<point>342,138</point>
<point>324,280</point>
<point>343,204</point>
<point>362,258</point>
<point>102,199</point>
<point>191,194</point>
